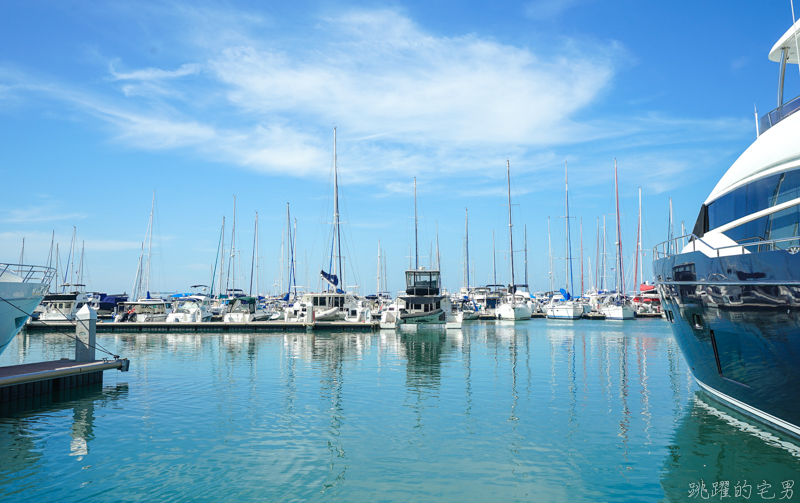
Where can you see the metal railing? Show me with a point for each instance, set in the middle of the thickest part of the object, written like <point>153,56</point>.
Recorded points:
<point>29,273</point>
<point>670,247</point>
<point>775,116</point>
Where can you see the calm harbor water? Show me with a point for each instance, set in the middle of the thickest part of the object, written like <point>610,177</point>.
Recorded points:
<point>540,411</point>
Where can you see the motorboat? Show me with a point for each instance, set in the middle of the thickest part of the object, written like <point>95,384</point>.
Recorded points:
<point>143,311</point>
<point>731,288</point>
<point>188,308</point>
<point>245,310</point>
<point>22,288</point>
<point>63,306</point>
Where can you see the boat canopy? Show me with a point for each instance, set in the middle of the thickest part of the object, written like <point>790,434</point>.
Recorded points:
<point>787,41</point>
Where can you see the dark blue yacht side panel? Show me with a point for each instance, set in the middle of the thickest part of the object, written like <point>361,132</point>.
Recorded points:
<point>737,322</point>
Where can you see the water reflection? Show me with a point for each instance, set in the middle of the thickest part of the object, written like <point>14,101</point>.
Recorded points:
<point>26,435</point>
<point>714,447</point>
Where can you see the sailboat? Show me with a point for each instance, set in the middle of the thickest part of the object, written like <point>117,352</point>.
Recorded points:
<point>144,308</point>
<point>616,306</point>
<point>566,307</point>
<point>513,305</point>
<point>334,304</point>
<point>64,306</point>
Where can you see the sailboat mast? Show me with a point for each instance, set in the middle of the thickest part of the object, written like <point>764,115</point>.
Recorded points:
<point>257,285</point>
<point>636,271</point>
<point>253,260</point>
<point>150,241</point>
<point>337,236</point>
<point>525,234</point>
<point>597,257</point>
<point>416,245</point>
<point>510,226</point>
<point>619,232</point>
<point>438,256</point>
<point>670,230</point>
<point>494,261</point>
<point>221,259</point>
<point>232,268</point>
<point>288,254</point>
<point>466,262</point>
<point>378,285</point>
<point>550,253</point>
<point>582,290</point>
<point>568,269</point>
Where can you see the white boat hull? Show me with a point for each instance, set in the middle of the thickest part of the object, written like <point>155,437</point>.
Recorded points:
<point>564,311</point>
<point>617,312</point>
<point>513,312</point>
<point>16,312</point>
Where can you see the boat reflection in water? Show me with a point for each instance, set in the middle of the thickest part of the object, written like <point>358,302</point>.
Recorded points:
<point>715,447</point>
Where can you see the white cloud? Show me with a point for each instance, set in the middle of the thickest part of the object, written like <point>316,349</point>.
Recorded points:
<point>155,73</point>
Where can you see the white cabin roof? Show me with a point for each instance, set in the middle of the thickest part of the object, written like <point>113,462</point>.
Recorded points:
<point>787,40</point>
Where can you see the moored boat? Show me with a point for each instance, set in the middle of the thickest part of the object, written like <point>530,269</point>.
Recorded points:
<point>732,292</point>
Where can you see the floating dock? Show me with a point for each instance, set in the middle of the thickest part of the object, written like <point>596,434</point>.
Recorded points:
<point>22,382</point>
<point>257,326</point>
<point>649,315</point>
<point>593,316</point>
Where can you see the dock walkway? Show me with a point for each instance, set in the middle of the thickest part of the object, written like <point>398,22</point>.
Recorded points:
<point>257,326</point>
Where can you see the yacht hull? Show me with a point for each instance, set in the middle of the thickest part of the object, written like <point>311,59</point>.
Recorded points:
<point>21,299</point>
<point>430,318</point>
<point>737,322</point>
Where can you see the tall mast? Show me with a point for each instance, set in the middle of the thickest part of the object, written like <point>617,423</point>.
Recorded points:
<point>293,279</point>
<point>550,253</point>
<point>619,232</point>
<point>636,271</point>
<point>221,259</point>
<point>582,290</point>
<point>597,257</point>
<point>605,254</point>
<point>378,290</point>
<point>568,269</point>
<point>438,256</point>
<point>253,260</point>
<point>232,269</point>
<point>526,256</point>
<point>251,280</point>
<point>416,245</point>
<point>72,258</point>
<point>337,236</point>
<point>494,261</point>
<point>80,267</point>
<point>150,243</point>
<point>510,232</point>
<point>466,262</point>
<point>288,252</point>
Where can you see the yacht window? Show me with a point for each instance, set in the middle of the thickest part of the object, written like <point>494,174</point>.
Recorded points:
<point>80,305</point>
<point>755,196</point>
<point>779,225</point>
<point>438,304</point>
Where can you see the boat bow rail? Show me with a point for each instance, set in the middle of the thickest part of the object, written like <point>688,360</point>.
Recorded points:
<point>27,273</point>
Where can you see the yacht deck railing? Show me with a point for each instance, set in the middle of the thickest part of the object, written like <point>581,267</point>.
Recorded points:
<point>670,247</point>
<point>29,273</point>
<point>771,118</point>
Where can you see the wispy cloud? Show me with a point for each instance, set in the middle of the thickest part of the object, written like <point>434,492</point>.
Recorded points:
<point>155,73</point>
<point>408,102</point>
<point>47,213</point>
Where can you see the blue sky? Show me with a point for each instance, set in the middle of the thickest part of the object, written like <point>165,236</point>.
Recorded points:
<point>103,102</point>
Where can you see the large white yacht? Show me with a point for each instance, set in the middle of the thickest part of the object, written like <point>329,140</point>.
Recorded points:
<point>732,293</point>
<point>63,306</point>
<point>22,288</point>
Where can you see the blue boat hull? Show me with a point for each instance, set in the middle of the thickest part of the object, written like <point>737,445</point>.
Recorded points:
<point>737,322</point>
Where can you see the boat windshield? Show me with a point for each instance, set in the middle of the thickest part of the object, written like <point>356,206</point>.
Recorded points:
<point>187,306</point>
<point>422,282</point>
<point>243,307</point>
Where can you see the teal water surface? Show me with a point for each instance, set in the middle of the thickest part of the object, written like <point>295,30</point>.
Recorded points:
<point>544,410</point>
